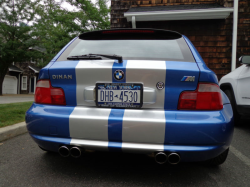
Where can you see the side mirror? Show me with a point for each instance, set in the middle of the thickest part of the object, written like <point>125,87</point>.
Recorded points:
<point>245,60</point>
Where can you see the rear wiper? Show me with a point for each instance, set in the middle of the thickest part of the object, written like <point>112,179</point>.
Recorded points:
<point>84,57</point>
<point>95,57</point>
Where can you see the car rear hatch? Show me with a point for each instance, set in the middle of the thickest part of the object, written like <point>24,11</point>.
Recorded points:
<point>159,62</point>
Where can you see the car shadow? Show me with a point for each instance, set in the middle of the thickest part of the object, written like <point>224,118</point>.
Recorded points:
<point>130,168</point>
<point>244,124</point>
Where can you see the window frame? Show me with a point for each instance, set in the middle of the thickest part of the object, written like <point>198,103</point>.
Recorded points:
<point>184,48</point>
<point>24,82</point>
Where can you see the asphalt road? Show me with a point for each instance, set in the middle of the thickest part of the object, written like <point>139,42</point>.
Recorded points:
<point>22,163</point>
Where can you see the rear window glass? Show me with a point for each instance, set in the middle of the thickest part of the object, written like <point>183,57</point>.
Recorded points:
<point>168,50</point>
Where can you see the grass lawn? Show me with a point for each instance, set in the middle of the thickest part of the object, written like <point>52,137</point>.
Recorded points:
<point>13,113</point>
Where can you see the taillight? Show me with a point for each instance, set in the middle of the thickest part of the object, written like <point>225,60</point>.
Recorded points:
<point>46,94</point>
<point>206,97</point>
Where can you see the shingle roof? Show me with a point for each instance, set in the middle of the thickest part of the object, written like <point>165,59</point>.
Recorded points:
<point>14,68</point>
<point>174,7</point>
<point>35,69</point>
<point>37,48</point>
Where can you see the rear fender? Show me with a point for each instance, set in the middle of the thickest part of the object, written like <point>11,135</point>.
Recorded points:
<point>44,73</point>
<point>206,75</point>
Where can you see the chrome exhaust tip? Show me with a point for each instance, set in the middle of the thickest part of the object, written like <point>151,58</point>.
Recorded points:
<point>64,151</point>
<point>75,152</point>
<point>161,158</point>
<point>174,158</point>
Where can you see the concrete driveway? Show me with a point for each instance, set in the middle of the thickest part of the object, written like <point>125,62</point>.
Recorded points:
<point>16,98</point>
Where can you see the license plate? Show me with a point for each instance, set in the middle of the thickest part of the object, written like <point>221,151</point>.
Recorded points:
<point>119,95</point>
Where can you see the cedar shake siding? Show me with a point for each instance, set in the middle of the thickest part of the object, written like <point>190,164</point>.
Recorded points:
<point>212,38</point>
<point>29,73</point>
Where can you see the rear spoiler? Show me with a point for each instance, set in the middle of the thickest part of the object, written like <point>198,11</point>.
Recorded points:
<point>134,34</point>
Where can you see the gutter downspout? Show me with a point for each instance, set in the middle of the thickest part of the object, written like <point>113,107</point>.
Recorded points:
<point>235,25</point>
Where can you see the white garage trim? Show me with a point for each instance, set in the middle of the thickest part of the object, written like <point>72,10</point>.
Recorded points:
<point>193,14</point>
<point>9,85</point>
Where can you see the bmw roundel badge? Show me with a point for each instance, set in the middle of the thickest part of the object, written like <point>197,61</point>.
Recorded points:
<point>160,85</point>
<point>119,75</point>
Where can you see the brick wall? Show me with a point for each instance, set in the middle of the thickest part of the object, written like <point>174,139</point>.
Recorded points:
<point>212,38</point>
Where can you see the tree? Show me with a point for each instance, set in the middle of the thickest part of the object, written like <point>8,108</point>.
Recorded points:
<point>56,26</point>
<point>92,16</point>
<point>31,23</point>
<point>15,34</point>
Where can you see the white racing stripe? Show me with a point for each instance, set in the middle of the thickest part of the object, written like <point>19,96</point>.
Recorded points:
<point>90,144</point>
<point>89,123</point>
<point>88,73</point>
<point>144,126</point>
<point>143,148</point>
<point>138,126</point>
<point>149,73</point>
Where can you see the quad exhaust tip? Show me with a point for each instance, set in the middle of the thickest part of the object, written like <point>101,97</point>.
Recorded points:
<point>161,158</point>
<point>75,152</point>
<point>64,151</point>
<point>172,158</point>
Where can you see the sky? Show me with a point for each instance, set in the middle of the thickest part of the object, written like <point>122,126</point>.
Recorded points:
<point>67,6</point>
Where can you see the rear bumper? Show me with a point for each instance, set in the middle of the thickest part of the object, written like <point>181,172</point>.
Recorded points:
<point>187,153</point>
<point>195,135</point>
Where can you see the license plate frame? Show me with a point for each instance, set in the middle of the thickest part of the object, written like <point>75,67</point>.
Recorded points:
<point>122,105</point>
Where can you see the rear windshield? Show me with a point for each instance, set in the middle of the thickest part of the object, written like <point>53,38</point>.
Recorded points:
<point>167,50</point>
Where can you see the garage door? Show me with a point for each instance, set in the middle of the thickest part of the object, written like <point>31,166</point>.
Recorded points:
<point>10,85</point>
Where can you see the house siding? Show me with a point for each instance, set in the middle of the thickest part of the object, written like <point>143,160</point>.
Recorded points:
<point>212,38</point>
<point>26,72</point>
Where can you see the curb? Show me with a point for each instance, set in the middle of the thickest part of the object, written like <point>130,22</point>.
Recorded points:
<point>12,131</point>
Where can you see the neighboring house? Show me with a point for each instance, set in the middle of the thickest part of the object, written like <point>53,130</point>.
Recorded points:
<point>21,78</point>
<point>207,23</point>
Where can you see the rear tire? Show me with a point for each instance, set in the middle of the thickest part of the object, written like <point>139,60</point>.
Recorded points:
<point>233,104</point>
<point>219,159</point>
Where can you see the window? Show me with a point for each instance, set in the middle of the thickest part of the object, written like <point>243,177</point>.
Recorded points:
<point>172,50</point>
<point>24,83</point>
<point>33,62</point>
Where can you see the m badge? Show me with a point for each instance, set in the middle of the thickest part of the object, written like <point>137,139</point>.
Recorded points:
<point>188,78</point>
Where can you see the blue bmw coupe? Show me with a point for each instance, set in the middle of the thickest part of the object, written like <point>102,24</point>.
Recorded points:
<point>131,90</point>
